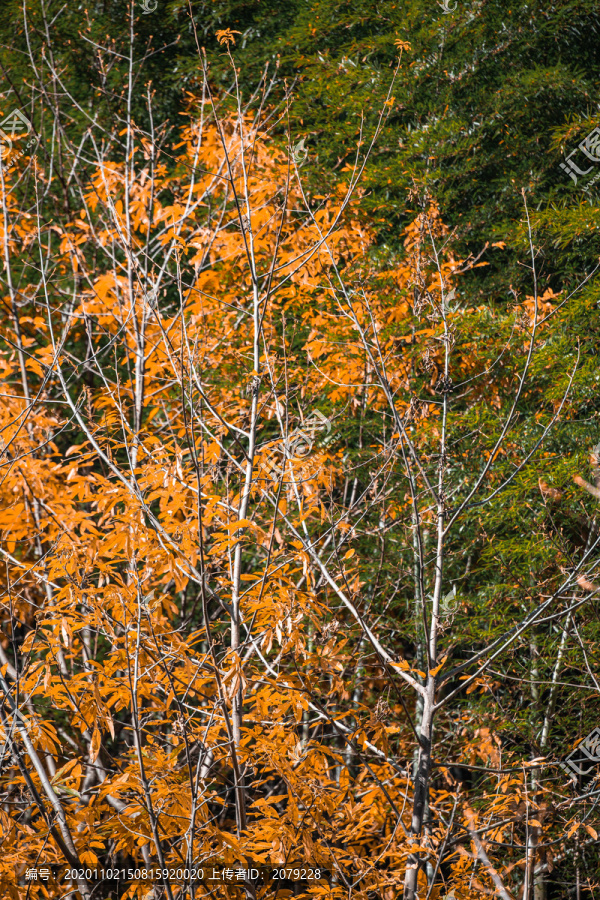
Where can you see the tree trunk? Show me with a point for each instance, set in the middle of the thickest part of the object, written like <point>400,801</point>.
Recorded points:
<point>421,789</point>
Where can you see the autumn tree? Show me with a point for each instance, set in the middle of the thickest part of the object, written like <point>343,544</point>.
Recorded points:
<point>262,476</point>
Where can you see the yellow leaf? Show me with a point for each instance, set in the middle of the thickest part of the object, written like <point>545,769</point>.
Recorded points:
<point>437,668</point>
<point>241,523</point>
<point>95,745</point>
<point>402,664</point>
<point>226,36</point>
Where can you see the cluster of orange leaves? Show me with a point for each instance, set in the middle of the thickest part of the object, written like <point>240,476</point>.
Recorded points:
<point>105,550</point>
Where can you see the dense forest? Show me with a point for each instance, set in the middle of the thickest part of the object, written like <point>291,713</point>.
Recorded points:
<point>300,449</point>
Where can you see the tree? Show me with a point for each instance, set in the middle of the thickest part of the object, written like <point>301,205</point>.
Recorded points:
<point>262,516</point>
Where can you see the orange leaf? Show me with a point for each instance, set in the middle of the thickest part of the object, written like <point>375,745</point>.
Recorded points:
<point>95,745</point>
